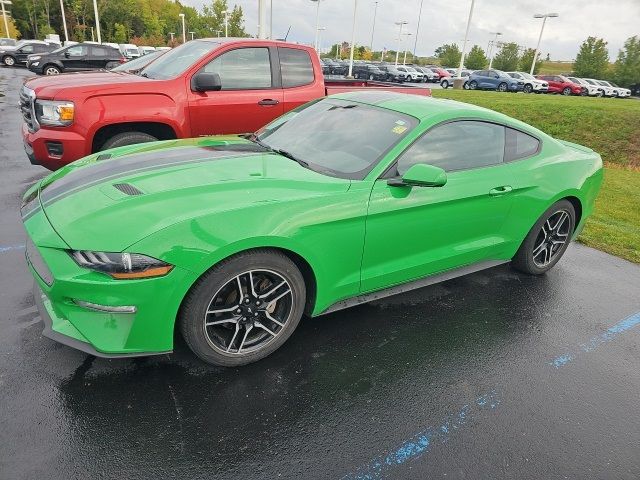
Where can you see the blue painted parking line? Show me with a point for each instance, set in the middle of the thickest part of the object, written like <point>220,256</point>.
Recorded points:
<point>423,441</point>
<point>619,328</point>
<point>8,248</point>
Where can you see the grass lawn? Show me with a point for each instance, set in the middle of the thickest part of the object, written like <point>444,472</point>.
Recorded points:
<point>610,127</point>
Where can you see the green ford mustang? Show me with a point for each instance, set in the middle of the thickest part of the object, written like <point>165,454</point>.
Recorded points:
<point>352,197</point>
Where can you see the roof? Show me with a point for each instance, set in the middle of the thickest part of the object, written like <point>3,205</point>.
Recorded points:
<point>414,105</point>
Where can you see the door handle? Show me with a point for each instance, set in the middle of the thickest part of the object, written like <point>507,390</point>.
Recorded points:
<point>268,101</point>
<point>500,190</point>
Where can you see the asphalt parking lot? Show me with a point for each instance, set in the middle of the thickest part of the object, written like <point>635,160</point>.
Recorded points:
<point>495,375</point>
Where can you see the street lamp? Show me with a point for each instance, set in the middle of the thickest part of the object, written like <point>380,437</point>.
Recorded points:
<point>544,16</point>
<point>353,38</point>
<point>493,43</point>
<point>464,45</point>
<point>402,23</point>
<point>415,42</point>
<point>95,13</point>
<point>373,29</point>
<point>184,32</point>
<point>192,34</point>
<point>4,15</point>
<point>320,30</point>
<point>226,22</point>
<point>406,34</point>
<point>172,34</point>
<point>315,43</point>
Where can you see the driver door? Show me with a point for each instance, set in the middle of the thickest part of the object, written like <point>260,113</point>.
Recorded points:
<point>413,232</point>
<point>75,58</point>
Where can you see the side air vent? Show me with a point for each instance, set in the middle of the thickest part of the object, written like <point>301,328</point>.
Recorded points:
<point>127,189</point>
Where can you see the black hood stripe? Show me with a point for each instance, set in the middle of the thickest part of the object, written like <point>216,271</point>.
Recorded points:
<point>102,172</point>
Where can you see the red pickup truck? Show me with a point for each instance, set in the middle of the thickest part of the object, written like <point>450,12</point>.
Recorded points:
<point>204,87</point>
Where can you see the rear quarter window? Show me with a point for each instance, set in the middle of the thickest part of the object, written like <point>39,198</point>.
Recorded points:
<point>520,145</point>
<point>296,67</point>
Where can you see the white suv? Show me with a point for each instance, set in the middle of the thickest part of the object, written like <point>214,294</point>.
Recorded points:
<point>531,83</point>
<point>617,91</point>
<point>593,90</point>
<point>411,72</point>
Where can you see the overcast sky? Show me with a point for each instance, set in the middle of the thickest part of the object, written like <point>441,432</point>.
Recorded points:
<point>444,21</point>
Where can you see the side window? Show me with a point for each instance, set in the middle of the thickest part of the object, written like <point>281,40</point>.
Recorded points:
<point>27,49</point>
<point>242,69</point>
<point>77,51</point>
<point>520,145</point>
<point>99,51</point>
<point>296,67</point>
<point>457,146</point>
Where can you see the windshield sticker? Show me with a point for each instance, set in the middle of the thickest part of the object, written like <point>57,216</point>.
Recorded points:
<point>399,129</point>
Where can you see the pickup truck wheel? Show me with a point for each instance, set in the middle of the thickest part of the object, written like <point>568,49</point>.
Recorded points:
<point>127,138</point>
<point>8,60</point>
<point>51,70</point>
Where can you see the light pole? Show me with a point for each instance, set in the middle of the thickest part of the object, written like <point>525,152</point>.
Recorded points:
<point>315,42</point>
<point>95,13</point>
<point>544,17</point>
<point>262,19</point>
<point>402,23</point>
<point>415,42</point>
<point>373,29</point>
<point>64,22</point>
<point>4,15</point>
<point>320,30</point>
<point>226,22</point>
<point>172,34</point>
<point>353,38</point>
<point>218,32</point>
<point>192,34</point>
<point>184,32</point>
<point>271,20</point>
<point>494,43</point>
<point>406,34</point>
<point>464,45</point>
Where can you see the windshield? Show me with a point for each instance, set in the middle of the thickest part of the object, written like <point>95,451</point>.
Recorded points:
<point>337,137</point>
<point>137,63</point>
<point>527,76</point>
<point>177,60</point>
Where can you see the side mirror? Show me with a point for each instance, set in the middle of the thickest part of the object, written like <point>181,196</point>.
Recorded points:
<point>66,55</point>
<point>206,82</point>
<point>421,175</point>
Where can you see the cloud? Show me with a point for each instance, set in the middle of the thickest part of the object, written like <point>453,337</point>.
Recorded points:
<point>444,21</point>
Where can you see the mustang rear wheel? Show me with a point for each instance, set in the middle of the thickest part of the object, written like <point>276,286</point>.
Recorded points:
<point>547,241</point>
<point>244,308</point>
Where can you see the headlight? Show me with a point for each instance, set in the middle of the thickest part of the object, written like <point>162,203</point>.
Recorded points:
<point>57,113</point>
<point>121,266</point>
<point>34,57</point>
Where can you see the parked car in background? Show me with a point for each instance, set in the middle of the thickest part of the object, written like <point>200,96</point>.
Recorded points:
<point>203,87</point>
<point>129,50</point>
<point>561,84</point>
<point>17,54</point>
<point>137,64</point>
<point>494,80</point>
<point>412,74</point>
<point>440,71</point>
<point>428,74</point>
<point>618,92</point>
<point>76,58</point>
<point>635,89</point>
<point>146,50</point>
<point>591,89</point>
<point>531,83</point>
<point>370,72</point>
<point>447,82</point>
<point>393,74</point>
<point>7,42</point>
<point>594,84</point>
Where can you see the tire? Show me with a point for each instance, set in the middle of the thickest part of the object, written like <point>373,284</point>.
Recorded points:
<point>599,94</point>
<point>502,87</point>
<point>526,260</point>
<point>444,84</point>
<point>371,77</point>
<point>51,70</point>
<point>8,60</point>
<point>465,86</point>
<point>127,138</point>
<point>111,65</point>
<point>528,88</point>
<point>473,85</point>
<point>566,91</point>
<point>223,282</point>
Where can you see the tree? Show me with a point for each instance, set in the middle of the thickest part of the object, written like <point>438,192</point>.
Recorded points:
<point>592,60</point>
<point>627,66</point>
<point>507,58</point>
<point>524,64</point>
<point>119,33</point>
<point>476,59</point>
<point>13,30</point>
<point>449,55</point>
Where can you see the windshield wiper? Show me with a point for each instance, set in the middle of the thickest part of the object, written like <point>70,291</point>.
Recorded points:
<point>279,151</point>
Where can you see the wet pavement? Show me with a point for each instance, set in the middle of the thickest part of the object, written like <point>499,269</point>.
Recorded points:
<point>495,375</point>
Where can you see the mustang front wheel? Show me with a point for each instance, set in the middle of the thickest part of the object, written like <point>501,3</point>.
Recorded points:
<point>244,308</point>
<point>547,240</point>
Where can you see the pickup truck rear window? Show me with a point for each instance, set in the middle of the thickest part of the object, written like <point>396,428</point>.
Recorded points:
<point>296,67</point>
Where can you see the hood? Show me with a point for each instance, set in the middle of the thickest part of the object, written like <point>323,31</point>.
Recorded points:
<point>50,87</point>
<point>8,48</point>
<point>109,201</point>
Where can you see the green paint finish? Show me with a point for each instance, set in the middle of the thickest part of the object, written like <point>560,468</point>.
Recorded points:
<point>205,199</point>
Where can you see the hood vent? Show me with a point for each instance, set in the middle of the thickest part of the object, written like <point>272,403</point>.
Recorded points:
<point>127,189</point>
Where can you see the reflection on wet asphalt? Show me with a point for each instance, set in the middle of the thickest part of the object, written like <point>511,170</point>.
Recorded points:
<point>458,379</point>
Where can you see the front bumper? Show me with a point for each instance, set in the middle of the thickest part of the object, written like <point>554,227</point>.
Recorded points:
<point>39,146</point>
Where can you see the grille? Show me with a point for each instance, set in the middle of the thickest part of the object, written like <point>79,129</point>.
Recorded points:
<point>27,99</point>
<point>127,188</point>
